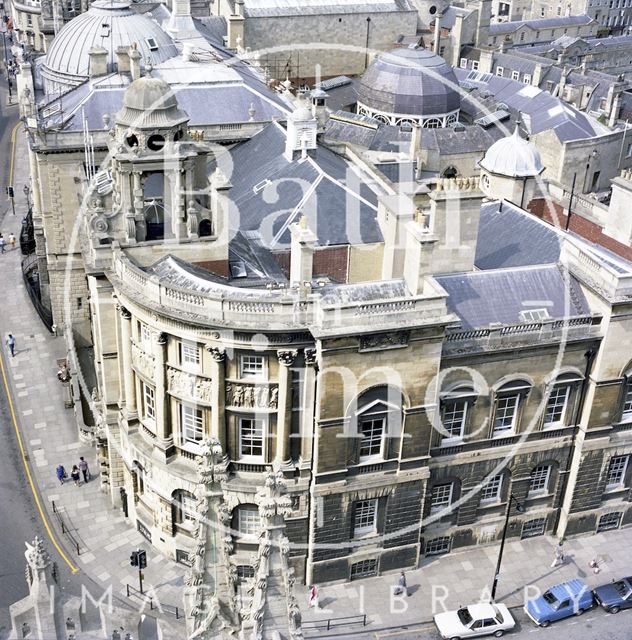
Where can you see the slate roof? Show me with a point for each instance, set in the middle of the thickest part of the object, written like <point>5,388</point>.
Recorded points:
<point>269,192</point>
<point>509,237</point>
<point>545,23</point>
<point>540,110</point>
<point>450,14</point>
<point>482,298</point>
<point>411,81</point>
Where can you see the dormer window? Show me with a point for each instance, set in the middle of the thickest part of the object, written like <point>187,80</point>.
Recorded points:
<point>152,44</point>
<point>534,315</point>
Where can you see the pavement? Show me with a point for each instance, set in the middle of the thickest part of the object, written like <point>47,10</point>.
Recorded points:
<point>106,538</point>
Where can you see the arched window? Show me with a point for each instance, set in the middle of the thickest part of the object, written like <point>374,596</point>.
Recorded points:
<point>509,399</point>
<point>559,403</point>
<point>455,406</point>
<point>433,123</point>
<point>184,506</point>
<point>450,172</point>
<point>154,210</point>
<point>377,417</point>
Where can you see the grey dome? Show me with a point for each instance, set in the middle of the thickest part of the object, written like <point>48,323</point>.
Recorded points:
<point>107,25</point>
<point>149,103</point>
<point>410,81</point>
<point>513,157</point>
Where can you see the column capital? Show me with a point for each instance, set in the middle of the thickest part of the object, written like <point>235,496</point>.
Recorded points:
<point>310,356</point>
<point>218,354</point>
<point>287,358</point>
<point>161,338</point>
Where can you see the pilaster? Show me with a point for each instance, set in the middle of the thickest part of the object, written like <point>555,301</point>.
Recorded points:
<point>286,360</point>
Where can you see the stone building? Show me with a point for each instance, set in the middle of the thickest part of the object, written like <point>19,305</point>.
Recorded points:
<point>291,38</point>
<point>406,354</point>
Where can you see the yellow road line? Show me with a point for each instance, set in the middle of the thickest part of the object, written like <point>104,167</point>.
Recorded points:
<point>15,130</point>
<point>51,535</point>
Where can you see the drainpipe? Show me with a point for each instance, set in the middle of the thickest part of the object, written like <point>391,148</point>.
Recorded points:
<point>312,513</point>
<point>590,358</point>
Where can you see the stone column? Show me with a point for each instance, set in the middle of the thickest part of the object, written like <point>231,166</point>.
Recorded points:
<point>218,400</point>
<point>307,401</point>
<point>129,389</point>
<point>286,360</point>
<point>164,437</point>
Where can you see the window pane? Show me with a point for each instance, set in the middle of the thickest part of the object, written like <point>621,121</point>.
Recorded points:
<point>491,491</point>
<point>189,354</point>
<point>251,437</point>
<point>251,366</point>
<point>371,442</point>
<point>627,401</point>
<point>441,497</point>
<point>150,402</point>
<point>192,424</point>
<point>616,470</point>
<point>506,408</point>
<point>248,521</point>
<point>438,545</point>
<point>189,513</point>
<point>365,516</point>
<point>556,406</point>
<point>540,478</point>
<point>454,418</point>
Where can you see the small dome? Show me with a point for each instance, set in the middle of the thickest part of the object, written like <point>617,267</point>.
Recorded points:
<point>150,102</point>
<point>410,81</point>
<point>108,25</point>
<point>513,157</point>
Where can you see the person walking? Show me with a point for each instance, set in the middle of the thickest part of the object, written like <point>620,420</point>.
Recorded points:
<point>60,472</point>
<point>559,554</point>
<point>11,344</point>
<point>312,598</point>
<point>401,585</point>
<point>74,474</point>
<point>2,243</point>
<point>83,467</point>
<point>12,240</point>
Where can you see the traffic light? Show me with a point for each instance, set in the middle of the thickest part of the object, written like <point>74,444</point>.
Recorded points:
<point>10,191</point>
<point>133,559</point>
<point>142,558</point>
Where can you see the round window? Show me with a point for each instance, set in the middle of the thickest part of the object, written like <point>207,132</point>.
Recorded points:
<point>155,142</point>
<point>432,10</point>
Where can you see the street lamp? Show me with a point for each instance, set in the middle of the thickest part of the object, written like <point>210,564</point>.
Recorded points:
<point>520,508</point>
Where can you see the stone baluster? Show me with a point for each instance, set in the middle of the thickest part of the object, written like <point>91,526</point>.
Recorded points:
<point>218,376</point>
<point>286,360</point>
<point>129,389</point>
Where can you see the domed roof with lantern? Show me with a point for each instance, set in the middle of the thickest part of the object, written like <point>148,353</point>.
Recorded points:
<point>150,103</point>
<point>514,157</point>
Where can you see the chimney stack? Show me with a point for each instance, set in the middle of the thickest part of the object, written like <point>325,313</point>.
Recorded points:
<point>98,62</point>
<point>122,60</point>
<point>134,62</point>
<point>302,253</point>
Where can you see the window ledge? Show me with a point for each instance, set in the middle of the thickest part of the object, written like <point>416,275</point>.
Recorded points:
<point>364,537</point>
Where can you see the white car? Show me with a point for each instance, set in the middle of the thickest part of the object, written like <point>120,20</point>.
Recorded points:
<point>475,620</point>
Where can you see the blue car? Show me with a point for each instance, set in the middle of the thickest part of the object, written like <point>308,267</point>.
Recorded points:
<point>615,596</point>
<point>570,598</point>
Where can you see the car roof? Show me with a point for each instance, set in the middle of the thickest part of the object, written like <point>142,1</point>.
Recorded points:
<point>568,589</point>
<point>482,610</point>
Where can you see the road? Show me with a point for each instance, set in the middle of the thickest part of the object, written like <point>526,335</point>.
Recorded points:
<point>19,519</point>
<point>595,624</point>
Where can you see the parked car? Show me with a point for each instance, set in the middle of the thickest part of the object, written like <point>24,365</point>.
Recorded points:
<point>615,596</point>
<point>475,620</point>
<point>570,598</point>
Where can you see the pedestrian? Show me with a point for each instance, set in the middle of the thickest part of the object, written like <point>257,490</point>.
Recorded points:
<point>61,473</point>
<point>12,240</point>
<point>74,474</point>
<point>313,597</point>
<point>559,554</point>
<point>2,243</point>
<point>11,344</point>
<point>83,467</point>
<point>401,585</point>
